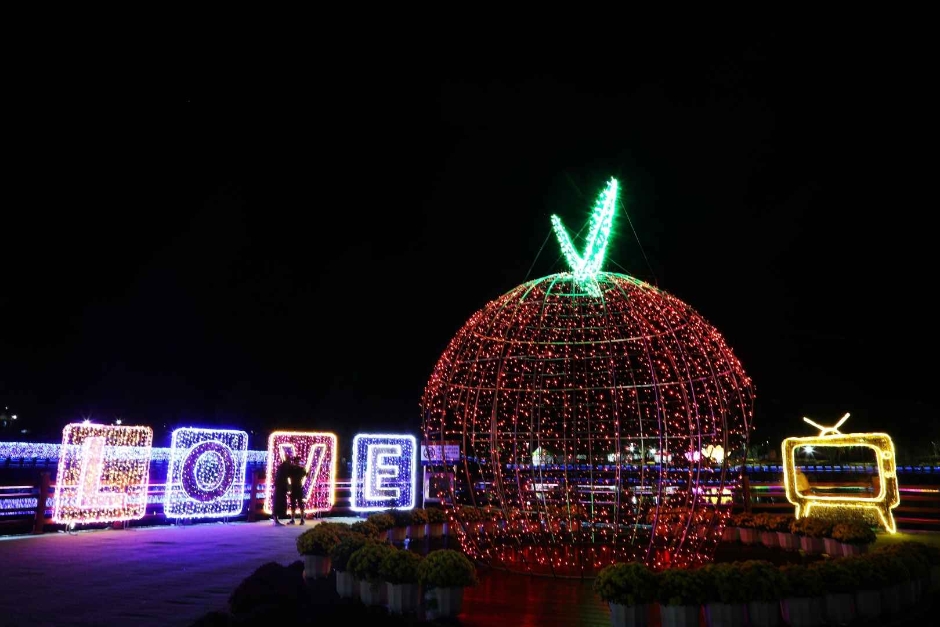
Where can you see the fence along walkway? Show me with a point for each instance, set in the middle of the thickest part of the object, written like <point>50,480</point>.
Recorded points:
<point>28,508</point>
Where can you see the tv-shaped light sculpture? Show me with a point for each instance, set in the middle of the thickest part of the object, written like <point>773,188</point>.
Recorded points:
<point>318,452</point>
<point>384,472</point>
<point>103,473</point>
<point>206,477</point>
<point>887,497</point>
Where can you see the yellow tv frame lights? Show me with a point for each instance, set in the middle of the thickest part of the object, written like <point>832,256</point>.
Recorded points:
<point>888,496</point>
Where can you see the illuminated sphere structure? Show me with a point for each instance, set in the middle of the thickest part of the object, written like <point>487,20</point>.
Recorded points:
<point>582,406</point>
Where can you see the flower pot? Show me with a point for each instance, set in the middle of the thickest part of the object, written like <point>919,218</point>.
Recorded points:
<point>679,615</point>
<point>416,532</point>
<point>402,597</point>
<point>832,547</point>
<point>763,613</point>
<point>769,539</point>
<point>906,594</point>
<point>725,614</point>
<point>449,601</point>
<point>729,534</point>
<point>868,604</point>
<point>629,615</point>
<point>840,607</point>
<point>891,599</point>
<point>788,541</point>
<point>372,593</point>
<point>848,550</point>
<point>812,546</point>
<point>748,535</point>
<point>316,566</point>
<point>347,586</point>
<point>803,611</point>
<point>397,534</point>
<point>436,530</point>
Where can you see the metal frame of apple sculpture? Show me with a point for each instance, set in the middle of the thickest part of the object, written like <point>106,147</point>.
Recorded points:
<point>616,387</point>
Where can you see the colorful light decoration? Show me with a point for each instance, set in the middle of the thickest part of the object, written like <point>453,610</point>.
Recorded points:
<point>587,364</point>
<point>384,472</point>
<point>206,477</point>
<point>318,450</point>
<point>888,496</point>
<point>46,450</point>
<point>103,473</point>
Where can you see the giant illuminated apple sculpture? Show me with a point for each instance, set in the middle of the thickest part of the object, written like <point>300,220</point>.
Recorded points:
<point>579,401</point>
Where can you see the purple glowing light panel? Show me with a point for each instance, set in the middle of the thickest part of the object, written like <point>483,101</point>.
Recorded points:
<point>206,477</point>
<point>384,468</point>
<point>318,452</point>
<point>103,473</point>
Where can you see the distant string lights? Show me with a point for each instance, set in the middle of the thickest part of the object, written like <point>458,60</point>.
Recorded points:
<point>27,451</point>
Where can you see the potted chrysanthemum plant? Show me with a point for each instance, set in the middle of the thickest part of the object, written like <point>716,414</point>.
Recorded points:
<point>628,588</point>
<point>347,586</point>
<point>681,593</point>
<point>403,519</point>
<point>419,524</point>
<point>803,598</point>
<point>763,589</point>
<point>448,572</point>
<point>364,564</point>
<point>811,532</point>
<point>871,579</point>
<point>315,545</point>
<point>725,600</point>
<point>437,522</point>
<point>853,537</point>
<point>841,583</point>
<point>399,569</point>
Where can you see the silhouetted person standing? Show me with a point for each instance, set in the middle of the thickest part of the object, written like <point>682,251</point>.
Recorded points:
<point>297,475</point>
<point>281,483</point>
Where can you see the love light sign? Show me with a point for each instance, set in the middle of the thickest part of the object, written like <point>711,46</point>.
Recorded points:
<point>103,473</point>
<point>318,454</point>
<point>207,473</point>
<point>384,470</point>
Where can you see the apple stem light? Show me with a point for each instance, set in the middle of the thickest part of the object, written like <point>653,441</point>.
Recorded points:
<point>585,267</point>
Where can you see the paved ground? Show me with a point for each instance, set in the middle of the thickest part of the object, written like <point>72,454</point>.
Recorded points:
<point>164,576</point>
<point>171,576</point>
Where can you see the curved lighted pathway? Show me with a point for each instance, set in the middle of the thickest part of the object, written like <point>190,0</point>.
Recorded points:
<point>166,576</point>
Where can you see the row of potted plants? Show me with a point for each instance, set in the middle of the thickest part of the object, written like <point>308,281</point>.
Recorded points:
<point>377,573</point>
<point>400,524</point>
<point>839,591</point>
<point>811,535</point>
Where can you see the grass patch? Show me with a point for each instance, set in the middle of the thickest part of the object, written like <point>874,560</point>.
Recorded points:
<point>931,538</point>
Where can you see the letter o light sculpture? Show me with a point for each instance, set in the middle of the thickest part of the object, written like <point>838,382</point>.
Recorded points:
<point>206,477</point>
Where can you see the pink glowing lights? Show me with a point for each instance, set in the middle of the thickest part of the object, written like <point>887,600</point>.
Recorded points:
<point>318,451</point>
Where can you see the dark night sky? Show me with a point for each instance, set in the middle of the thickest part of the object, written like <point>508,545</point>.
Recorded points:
<point>283,256</point>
